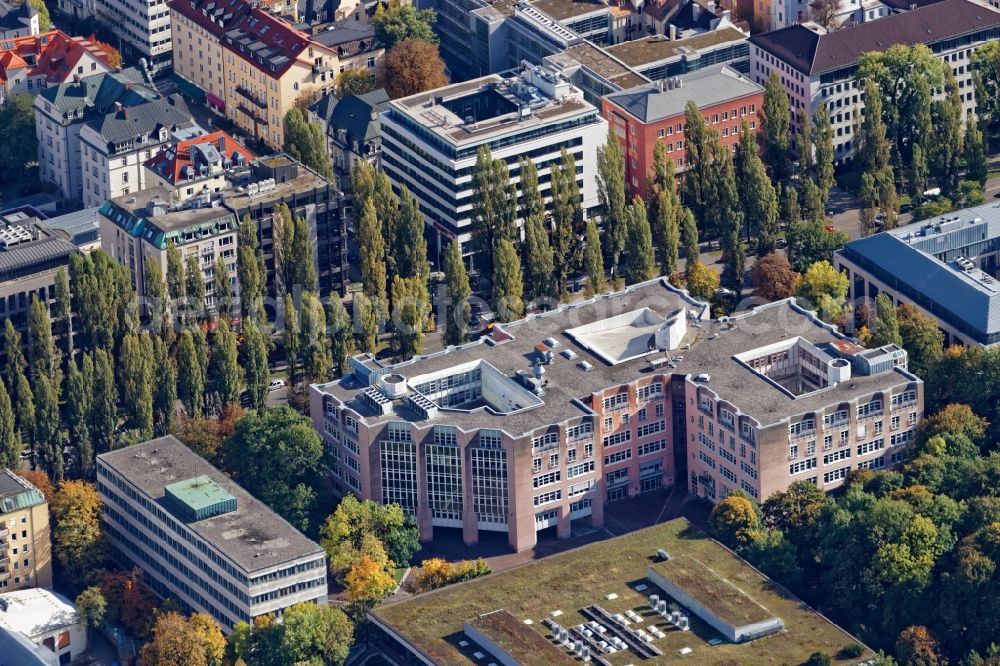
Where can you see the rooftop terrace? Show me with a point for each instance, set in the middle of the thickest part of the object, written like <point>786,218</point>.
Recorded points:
<point>569,582</point>
<point>655,49</point>
<point>477,110</point>
<point>594,345</point>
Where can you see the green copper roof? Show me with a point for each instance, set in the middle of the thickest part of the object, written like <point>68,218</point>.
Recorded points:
<point>198,498</point>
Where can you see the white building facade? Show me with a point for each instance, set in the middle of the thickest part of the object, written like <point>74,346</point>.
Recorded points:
<point>824,65</point>
<point>234,560</point>
<point>430,141</point>
<point>143,29</point>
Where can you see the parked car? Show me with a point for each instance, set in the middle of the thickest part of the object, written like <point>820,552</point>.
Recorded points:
<point>830,229</point>
<point>276,384</point>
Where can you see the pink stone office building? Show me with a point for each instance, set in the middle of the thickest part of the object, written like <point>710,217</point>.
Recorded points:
<point>547,419</point>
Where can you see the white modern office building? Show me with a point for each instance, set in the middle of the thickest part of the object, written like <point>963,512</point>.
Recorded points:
<point>817,66</point>
<point>430,140</point>
<point>200,538</point>
<point>142,28</point>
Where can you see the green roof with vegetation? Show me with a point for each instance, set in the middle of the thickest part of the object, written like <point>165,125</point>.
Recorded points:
<point>433,622</point>
<point>720,597</point>
<point>519,640</point>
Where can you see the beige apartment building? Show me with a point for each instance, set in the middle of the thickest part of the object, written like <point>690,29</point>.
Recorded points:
<point>25,547</point>
<point>547,419</point>
<point>254,66</point>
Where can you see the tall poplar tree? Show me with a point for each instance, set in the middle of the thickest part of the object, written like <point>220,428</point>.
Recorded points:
<point>611,195</point>
<point>175,271</point>
<point>410,244</point>
<point>566,213</point>
<point>48,435</point>
<point>508,285</point>
<point>303,258</point>
<point>77,411</point>
<point>43,356</point>
<point>457,292</point>
<point>61,323</point>
<point>975,151</point>
<point>760,202</point>
<point>341,335</point>
<point>538,263</point>
<point>104,405</point>
<point>135,377</point>
<point>290,337</point>
<point>372,249</point>
<point>313,346</point>
<point>10,439</point>
<point>666,229</point>
<point>593,259</point>
<point>222,289</point>
<point>224,373</point>
<point>155,294</point>
<point>194,288</point>
<point>253,359</point>
<point>367,323</point>
<point>411,308</point>
<point>775,127</point>
<point>164,386</point>
<point>689,236</point>
<point>699,178</point>
<point>640,262</point>
<point>387,212</point>
<point>494,208</point>
<point>825,155</point>
<point>24,411</point>
<point>190,382</point>
<point>249,273</point>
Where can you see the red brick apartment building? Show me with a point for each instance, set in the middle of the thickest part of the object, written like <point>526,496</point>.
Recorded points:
<point>551,417</point>
<point>654,112</point>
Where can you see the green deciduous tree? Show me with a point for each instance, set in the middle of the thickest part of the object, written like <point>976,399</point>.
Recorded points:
<point>508,284</point>
<point>175,271</point>
<point>809,242</point>
<point>18,141</point>
<point>922,339</point>
<point>611,194</point>
<point>975,151</point>
<point>13,348</point>
<point>640,262</point>
<point>303,258</point>
<point>946,147</point>
<point>353,81</point>
<point>665,216</point>
<point>886,329</point>
<point>344,531</point>
<point>456,295</point>
<point>24,410</point>
<point>824,289</point>
<point>735,520</point>
<point>400,20</point>
<point>273,455</point>
<point>411,310</point>
<point>775,129</point>
<point>538,264</point>
<point>702,281</point>
<point>699,178</point>
<point>157,300</point>
<point>689,237</point>
<point>91,607</point>
<point>61,322</point>
<point>760,202</point>
<point>307,634</point>
<point>305,142</point>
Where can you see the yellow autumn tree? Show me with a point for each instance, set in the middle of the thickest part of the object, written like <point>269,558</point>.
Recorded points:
<point>368,582</point>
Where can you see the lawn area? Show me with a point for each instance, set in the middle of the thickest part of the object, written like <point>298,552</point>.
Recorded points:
<point>398,573</point>
<point>578,578</point>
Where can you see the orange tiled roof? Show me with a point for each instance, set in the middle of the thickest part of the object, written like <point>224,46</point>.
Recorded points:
<point>52,54</point>
<point>169,163</point>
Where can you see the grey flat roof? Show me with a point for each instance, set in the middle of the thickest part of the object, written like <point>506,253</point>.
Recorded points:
<point>136,204</point>
<point>711,351</point>
<point>252,536</point>
<point>655,49</point>
<point>437,118</point>
<point>705,87</point>
<point>920,259</point>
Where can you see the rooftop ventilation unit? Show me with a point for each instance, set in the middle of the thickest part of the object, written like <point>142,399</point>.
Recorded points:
<point>568,354</point>
<point>585,366</point>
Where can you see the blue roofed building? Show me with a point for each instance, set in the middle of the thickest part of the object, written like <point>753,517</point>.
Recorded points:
<point>948,267</point>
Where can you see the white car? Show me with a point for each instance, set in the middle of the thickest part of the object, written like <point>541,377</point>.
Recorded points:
<point>276,384</point>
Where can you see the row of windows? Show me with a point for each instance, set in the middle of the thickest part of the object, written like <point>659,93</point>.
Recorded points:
<point>546,479</point>
<point>580,470</point>
<point>620,456</point>
<point>801,466</point>
<point>545,498</point>
<point>836,456</point>
<point>651,428</point>
<point>618,438</point>
<point>652,447</point>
